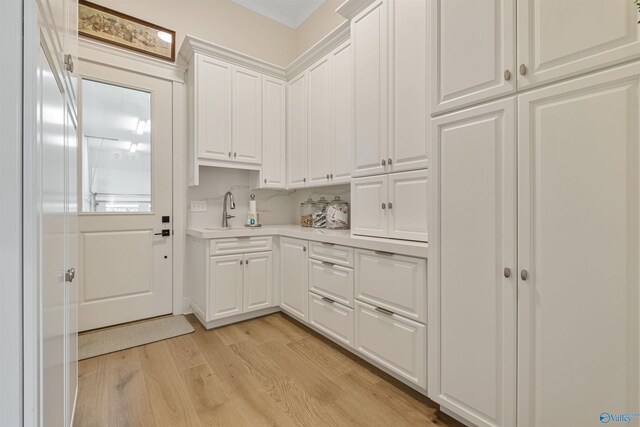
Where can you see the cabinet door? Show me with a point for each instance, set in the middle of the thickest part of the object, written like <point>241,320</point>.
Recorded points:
<point>342,111</point>
<point>472,52</point>
<point>579,239</point>
<point>409,205</point>
<point>408,85</point>
<point>258,279</point>
<point>273,133</point>
<point>472,305</point>
<point>247,116</point>
<point>369,36</point>
<point>369,206</point>
<point>319,119</point>
<point>225,286</point>
<point>213,109</point>
<point>297,133</point>
<point>398,344</point>
<point>558,39</point>
<point>295,267</point>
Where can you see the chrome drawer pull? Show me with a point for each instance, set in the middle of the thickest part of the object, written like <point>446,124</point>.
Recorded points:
<point>330,264</point>
<point>385,311</point>
<point>383,253</point>
<point>328,244</point>
<point>329,300</point>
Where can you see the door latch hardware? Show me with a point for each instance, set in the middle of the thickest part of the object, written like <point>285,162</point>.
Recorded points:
<point>164,233</point>
<point>166,219</point>
<point>69,275</point>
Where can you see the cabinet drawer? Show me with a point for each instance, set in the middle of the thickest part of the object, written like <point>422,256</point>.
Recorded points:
<point>332,281</point>
<point>395,282</point>
<point>332,318</point>
<point>396,343</point>
<point>237,245</point>
<point>341,255</point>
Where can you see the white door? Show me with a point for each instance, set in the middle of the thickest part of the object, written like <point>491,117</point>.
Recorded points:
<point>319,122</point>
<point>472,304</point>
<point>213,108</point>
<point>297,132</point>
<point>125,260</point>
<point>558,39</point>
<point>369,199</point>
<point>409,205</point>
<point>247,116</point>
<point>225,286</point>
<point>295,280</point>
<point>71,254</point>
<point>273,133</point>
<point>258,279</point>
<point>472,51</point>
<point>370,56</point>
<point>578,241</point>
<point>408,149</point>
<point>51,142</point>
<point>341,142</point>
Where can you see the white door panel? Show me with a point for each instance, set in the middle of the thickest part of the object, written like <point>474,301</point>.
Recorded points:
<point>342,109</point>
<point>125,268</point>
<point>559,39</point>
<point>213,108</point>
<point>369,213</point>
<point>472,305</point>
<point>225,286</point>
<point>273,133</point>
<point>258,278</point>
<point>579,234</point>
<point>409,205</point>
<point>319,144</point>
<point>247,116</point>
<point>472,45</point>
<point>297,132</point>
<point>295,268</point>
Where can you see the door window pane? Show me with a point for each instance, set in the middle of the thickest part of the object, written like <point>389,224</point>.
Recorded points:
<point>116,154</point>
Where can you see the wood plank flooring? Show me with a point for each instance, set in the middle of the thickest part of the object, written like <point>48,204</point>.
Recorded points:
<point>270,371</point>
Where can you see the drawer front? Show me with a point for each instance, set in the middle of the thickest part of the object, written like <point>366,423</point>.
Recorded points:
<point>239,245</point>
<point>332,281</point>
<point>333,319</point>
<point>336,254</point>
<point>397,343</point>
<point>395,282</point>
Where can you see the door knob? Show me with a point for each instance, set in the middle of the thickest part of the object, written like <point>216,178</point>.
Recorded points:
<point>69,275</point>
<point>524,274</point>
<point>507,272</point>
<point>523,69</point>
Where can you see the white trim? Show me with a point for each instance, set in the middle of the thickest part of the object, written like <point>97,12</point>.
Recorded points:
<point>100,53</point>
<point>351,8</point>
<point>11,214</point>
<point>193,45</point>
<point>179,220</point>
<point>319,50</point>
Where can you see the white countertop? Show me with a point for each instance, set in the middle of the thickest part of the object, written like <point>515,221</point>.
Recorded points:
<point>338,237</point>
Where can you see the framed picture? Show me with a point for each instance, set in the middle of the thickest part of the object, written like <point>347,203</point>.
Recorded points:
<point>110,26</point>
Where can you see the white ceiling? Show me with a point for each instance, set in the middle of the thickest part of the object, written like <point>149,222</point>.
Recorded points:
<point>291,13</point>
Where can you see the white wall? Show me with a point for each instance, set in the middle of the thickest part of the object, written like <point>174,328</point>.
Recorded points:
<point>11,213</point>
<point>274,206</point>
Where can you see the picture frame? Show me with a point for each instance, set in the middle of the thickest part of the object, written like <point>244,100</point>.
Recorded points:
<point>125,31</point>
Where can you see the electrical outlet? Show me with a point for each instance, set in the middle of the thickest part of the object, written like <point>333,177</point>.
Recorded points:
<point>198,206</point>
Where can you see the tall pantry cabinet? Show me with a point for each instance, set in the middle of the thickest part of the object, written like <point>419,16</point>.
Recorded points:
<point>534,266</point>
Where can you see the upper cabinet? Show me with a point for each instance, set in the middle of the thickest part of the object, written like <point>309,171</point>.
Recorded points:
<point>555,40</point>
<point>390,87</point>
<point>320,142</point>
<point>246,133</point>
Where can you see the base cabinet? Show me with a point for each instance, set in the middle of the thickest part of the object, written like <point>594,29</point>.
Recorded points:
<point>396,343</point>
<point>258,279</point>
<point>294,293</point>
<point>334,319</point>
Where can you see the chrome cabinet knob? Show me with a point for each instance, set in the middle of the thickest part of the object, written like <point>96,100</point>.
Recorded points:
<point>523,69</point>
<point>507,75</point>
<point>69,275</point>
<point>524,274</point>
<point>507,272</point>
<point>389,161</point>
<point>384,162</point>
<point>384,206</point>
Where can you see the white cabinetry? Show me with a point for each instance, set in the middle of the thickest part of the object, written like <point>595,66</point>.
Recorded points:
<point>297,132</point>
<point>569,276</point>
<point>341,142</point>
<point>295,279</point>
<point>246,133</point>
<point>225,286</point>
<point>555,40</point>
<point>389,48</point>
<point>272,174</point>
<point>319,122</point>
<point>333,319</point>
<point>394,205</point>
<point>258,279</point>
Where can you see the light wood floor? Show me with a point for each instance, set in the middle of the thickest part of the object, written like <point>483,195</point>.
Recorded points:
<point>266,371</point>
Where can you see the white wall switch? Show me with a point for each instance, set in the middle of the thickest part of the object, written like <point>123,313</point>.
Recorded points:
<point>198,206</point>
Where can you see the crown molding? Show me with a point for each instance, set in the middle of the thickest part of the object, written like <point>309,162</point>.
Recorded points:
<point>329,42</point>
<point>100,53</point>
<point>193,45</point>
<point>351,8</point>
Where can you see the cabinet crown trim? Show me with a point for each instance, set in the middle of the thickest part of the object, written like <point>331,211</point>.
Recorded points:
<point>192,45</point>
<point>351,8</point>
<point>319,50</point>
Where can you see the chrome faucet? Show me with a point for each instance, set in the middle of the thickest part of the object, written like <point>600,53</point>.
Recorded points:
<point>225,215</point>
